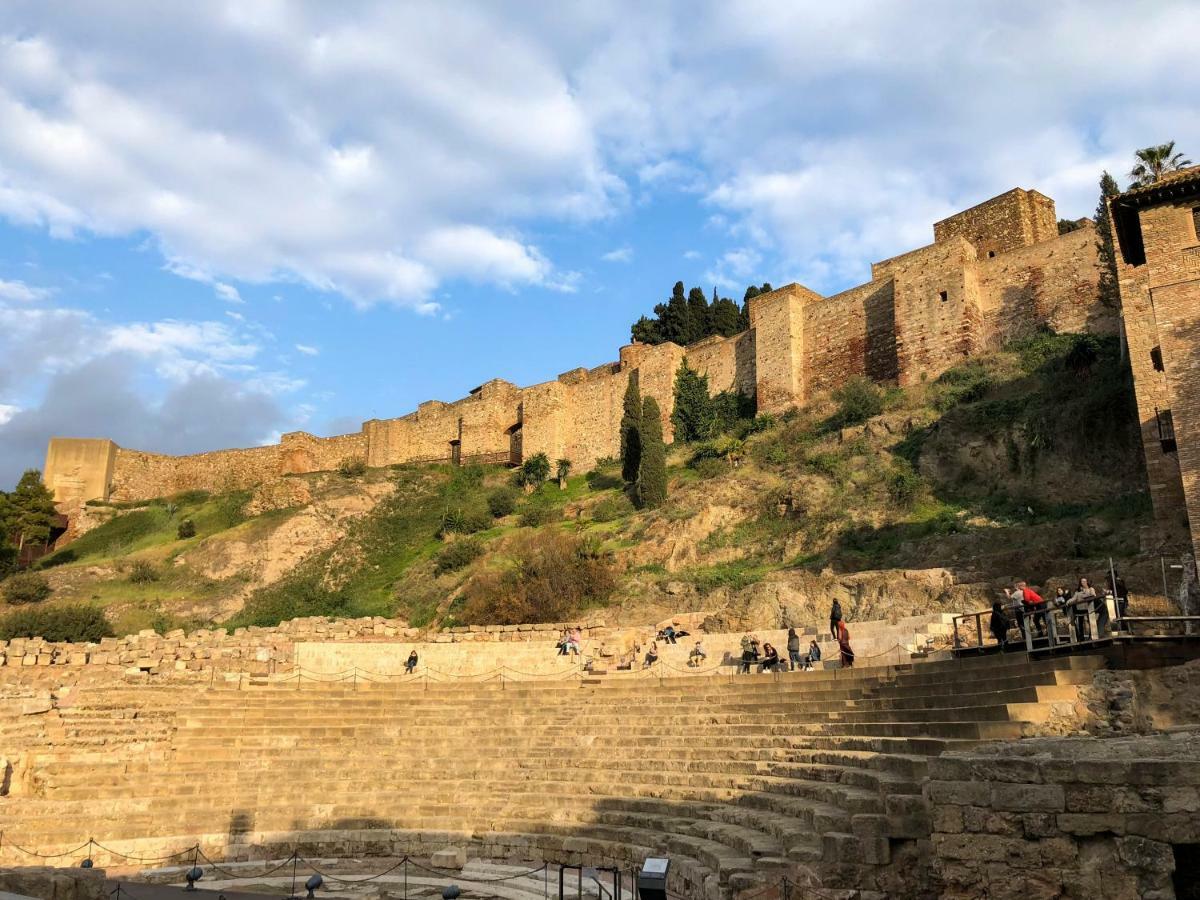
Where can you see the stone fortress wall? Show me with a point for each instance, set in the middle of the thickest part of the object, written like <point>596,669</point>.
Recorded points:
<point>993,271</point>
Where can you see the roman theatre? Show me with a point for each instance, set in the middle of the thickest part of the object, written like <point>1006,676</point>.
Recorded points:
<point>270,759</point>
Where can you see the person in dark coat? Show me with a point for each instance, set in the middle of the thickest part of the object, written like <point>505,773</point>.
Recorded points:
<point>835,616</point>
<point>1000,623</point>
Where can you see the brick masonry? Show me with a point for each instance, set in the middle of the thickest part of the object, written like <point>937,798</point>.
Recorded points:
<point>1157,234</point>
<point>994,271</point>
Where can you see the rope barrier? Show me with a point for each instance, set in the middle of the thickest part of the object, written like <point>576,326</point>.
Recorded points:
<point>100,846</point>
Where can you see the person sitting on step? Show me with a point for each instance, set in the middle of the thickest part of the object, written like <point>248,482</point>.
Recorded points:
<point>410,663</point>
<point>575,641</point>
<point>697,656</point>
<point>770,658</point>
<point>651,655</point>
<point>814,655</point>
<point>563,640</point>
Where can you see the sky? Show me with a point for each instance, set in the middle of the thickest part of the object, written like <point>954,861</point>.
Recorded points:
<point>224,221</point>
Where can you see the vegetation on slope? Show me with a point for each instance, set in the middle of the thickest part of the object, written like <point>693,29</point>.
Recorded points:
<point>1016,459</point>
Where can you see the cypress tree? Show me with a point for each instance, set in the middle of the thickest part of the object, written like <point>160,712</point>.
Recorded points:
<point>631,423</point>
<point>652,473</point>
<point>675,321</point>
<point>1109,293</point>
<point>692,416</point>
<point>699,325</point>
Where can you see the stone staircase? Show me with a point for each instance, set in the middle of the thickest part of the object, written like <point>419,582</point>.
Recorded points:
<point>738,780</point>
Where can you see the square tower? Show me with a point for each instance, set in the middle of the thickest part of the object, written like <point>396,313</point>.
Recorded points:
<point>1157,233</point>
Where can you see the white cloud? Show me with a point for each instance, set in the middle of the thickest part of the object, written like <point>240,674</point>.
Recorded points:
<point>307,350</point>
<point>7,411</point>
<point>22,292</point>
<point>374,154</point>
<point>227,292</point>
<point>620,254</point>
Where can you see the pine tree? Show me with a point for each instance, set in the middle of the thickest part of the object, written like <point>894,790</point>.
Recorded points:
<point>631,441</point>
<point>693,414</point>
<point>646,331</point>
<point>1108,290</point>
<point>652,473</point>
<point>726,318</point>
<point>34,509</point>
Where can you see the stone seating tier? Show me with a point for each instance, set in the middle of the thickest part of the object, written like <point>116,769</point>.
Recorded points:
<point>737,778</point>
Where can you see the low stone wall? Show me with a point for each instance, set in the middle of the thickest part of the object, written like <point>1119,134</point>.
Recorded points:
<point>1075,817</point>
<point>253,651</point>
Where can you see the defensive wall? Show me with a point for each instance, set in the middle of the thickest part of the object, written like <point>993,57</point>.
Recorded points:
<point>993,272</point>
<point>1157,234</point>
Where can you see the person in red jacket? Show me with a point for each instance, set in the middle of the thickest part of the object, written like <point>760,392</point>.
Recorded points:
<point>1032,605</point>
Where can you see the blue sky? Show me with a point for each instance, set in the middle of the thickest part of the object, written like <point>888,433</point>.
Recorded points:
<point>223,221</point>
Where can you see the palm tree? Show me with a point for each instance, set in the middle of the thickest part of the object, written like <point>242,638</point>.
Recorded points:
<point>1155,162</point>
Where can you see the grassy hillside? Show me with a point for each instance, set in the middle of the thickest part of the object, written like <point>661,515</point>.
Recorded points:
<point>1021,461</point>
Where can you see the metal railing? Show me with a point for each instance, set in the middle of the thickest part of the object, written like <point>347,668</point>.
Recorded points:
<point>1073,624</point>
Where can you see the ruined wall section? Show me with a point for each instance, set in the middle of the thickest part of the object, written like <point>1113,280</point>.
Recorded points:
<point>1017,218</point>
<point>143,476</point>
<point>1053,283</point>
<point>301,452</point>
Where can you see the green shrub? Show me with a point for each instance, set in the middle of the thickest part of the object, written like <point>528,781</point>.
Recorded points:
<point>903,484</point>
<point>464,520</point>
<point>352,467</point>
<point>142,572</point>
<point>75,623</point>
<point>456,555</point>
<point>552,578</point>
<point>25,587</point>
<point>602,481</point>
<point>291,599</point>
<point>967,383</point>
<point>186,529</point>
<point>858,399</point>
<point>534,515</point>
<point>8,560</point>
<point>502,502</point>
<point>830,464</point>
<point>613,507</point>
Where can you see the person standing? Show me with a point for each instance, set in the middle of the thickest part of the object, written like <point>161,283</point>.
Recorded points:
<point>1083,598</point>
<point>835,616</point>
<point>793,648</point>
<point>814,655</point>
<point>748,652</point>
<point>843,639</point>
<point>999,624</point>
<point>1033,606</point>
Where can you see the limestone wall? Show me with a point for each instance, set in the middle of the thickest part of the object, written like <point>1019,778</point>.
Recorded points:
<point>1078,817</point>
<point>141,476</point>
<point>728,362</point>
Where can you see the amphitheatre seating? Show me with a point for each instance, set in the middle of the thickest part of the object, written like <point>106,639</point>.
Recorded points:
<point>885,641</point>
<point>737,779</point>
